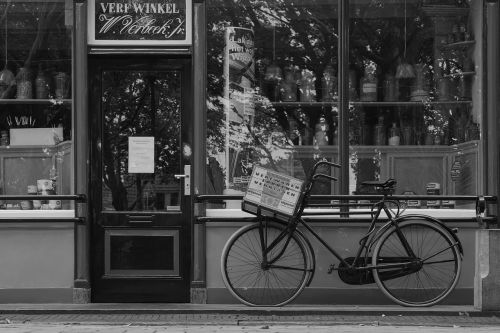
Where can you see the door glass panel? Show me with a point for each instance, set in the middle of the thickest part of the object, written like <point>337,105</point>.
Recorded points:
<point>141,104</point>
<point>141,252</point>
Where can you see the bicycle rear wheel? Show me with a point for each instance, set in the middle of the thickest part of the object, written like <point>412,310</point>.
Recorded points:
<point>434,272</point>
<point>254,284</point>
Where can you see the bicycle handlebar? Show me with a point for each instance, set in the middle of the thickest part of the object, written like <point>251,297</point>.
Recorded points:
<point>315,175</point>
<point>316,166</point>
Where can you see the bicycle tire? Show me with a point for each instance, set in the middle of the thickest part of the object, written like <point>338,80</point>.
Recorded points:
<point>439,265</point>
<point>254,285</point>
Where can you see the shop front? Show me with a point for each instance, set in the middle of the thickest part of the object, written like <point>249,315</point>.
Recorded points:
<point>144,118</point>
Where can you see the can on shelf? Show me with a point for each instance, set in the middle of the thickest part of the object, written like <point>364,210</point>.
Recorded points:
<point>433,189</point>
<point>33,190</point>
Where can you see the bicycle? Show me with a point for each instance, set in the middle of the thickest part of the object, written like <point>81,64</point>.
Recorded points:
<point>415,260</point>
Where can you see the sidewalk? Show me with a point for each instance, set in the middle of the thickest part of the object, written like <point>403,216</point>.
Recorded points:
<point>235,314</point>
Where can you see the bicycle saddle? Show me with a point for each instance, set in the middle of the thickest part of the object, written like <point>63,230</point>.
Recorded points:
<point>389,183</point>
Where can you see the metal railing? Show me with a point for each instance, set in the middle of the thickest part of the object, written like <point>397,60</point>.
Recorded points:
<point>66,197</point>
<point>344,202</point>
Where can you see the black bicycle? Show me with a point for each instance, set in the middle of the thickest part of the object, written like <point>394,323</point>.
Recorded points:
<point>414,259</point>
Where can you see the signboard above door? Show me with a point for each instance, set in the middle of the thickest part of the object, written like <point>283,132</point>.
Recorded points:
<point>140,22</point>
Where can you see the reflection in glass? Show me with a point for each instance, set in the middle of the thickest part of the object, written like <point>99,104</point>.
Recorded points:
<point>141,103</point>
<point>272,90</point>
<point>414,66</point>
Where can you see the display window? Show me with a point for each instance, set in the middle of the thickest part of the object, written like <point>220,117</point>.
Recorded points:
<point>415,94</point>
<point>36,103</point>
<point>272,89</point>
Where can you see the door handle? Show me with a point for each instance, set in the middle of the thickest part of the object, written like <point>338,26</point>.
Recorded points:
<point>187,179</point>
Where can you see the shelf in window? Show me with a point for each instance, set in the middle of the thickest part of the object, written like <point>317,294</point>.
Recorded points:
<point>375,104</point>
<point>410,103</point>
<point>36,101</point>
<point>304,104</point>
<point>458,45</point>
<point>445,11</point>
<point>460,74</point>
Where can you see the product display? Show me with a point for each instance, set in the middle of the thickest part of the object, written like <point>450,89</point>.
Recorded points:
<point>329,85</point>
<point>24,83</point>
<point>368,86</point>
<point>307,86</point>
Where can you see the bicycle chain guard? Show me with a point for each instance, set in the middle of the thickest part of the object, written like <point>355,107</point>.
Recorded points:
<point>356,276</point>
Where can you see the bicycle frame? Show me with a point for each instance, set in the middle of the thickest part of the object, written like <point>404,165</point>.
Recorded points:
<point>364,241</point>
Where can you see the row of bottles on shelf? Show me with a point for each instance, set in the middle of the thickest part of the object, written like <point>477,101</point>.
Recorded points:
<point>322,135</point>
<point>298,85</point>
<point>393,135</point>
<point>25,85</point>
<point>384,132</point>
<point>409,83</point>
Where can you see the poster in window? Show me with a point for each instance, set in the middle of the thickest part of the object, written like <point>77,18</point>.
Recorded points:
<point>141,154</point>
<point>239,75</point>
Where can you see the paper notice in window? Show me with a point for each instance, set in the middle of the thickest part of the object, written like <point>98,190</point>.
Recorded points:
<point>141,154</point>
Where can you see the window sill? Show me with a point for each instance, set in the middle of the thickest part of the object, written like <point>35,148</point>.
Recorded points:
<point>31,214</point>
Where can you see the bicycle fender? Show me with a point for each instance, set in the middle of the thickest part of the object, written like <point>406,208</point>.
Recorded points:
<point>308,243</point>
<point>452,233</point>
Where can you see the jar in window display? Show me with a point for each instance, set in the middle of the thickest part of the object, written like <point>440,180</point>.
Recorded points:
<point>24,83</point>
<point>7,81</point>
<point>41,85</point>
<point>368,86</point>
<point>329,85</point>
<point>288,87</point>
<point>61,85</point>
<point>307,86</point>
<point>320,132</point>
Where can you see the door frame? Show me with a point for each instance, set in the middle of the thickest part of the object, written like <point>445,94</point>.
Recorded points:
<point>95,131</point>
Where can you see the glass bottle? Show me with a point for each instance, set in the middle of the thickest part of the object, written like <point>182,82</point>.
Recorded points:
<point>368,86</point>
<point>353,94</point>
<point>41,85</point>
<point>379,133</point>
<point>419,91</point>
<point>394,138</point>
<point>390,89</point>
<point>62,85</point>
<point>272,78</point>
<point>288,87</point>
<point>7,81</point>
<point>320,132</point>
<point>24,84</point>
<point>307,86</point>
<point>4,139</point>
<point>329,85</point>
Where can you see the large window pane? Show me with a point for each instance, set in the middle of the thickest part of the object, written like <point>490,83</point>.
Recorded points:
<point>35,100</point>
<point>272,89</point>
<point>415,92</point>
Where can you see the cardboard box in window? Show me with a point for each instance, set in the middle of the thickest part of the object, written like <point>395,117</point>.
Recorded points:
<point>36,136</point>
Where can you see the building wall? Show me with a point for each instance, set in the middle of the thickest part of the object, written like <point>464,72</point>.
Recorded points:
<point>37,261</point>
<point>329,289</point>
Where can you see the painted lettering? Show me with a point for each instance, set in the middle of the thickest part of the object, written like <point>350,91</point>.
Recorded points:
<point>104,7</point>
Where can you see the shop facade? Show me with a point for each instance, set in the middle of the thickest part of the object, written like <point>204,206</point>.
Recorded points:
<point>137,124</point>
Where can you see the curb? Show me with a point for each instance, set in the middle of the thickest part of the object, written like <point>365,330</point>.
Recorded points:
<point>213,309</point>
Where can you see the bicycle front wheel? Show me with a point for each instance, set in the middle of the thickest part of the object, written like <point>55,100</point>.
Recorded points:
<point>255,284</point>
<point>435,267</point>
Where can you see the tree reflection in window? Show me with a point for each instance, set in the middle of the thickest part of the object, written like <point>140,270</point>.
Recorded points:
<point>141,103</point>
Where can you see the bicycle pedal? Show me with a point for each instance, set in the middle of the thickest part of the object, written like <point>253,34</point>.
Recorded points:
<point>331,269</point>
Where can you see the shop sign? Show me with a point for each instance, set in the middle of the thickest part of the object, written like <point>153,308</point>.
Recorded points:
<point>139,22</point>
